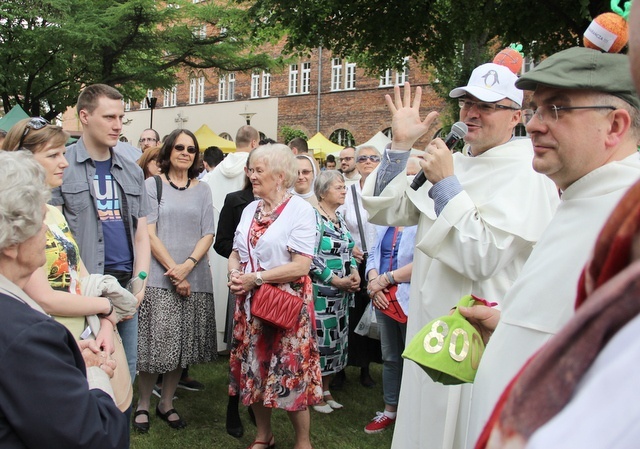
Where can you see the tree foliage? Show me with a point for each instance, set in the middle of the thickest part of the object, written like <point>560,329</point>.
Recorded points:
<point>52,48</point>
<point>288,133</point>
<point>450,37</point>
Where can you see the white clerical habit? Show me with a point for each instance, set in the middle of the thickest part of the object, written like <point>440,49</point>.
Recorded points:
<point>542,300</point>
<point>478,244</point>
<point>228,177</point>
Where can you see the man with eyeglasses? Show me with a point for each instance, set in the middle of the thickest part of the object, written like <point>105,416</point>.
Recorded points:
<point>584,125</point>
<point>348,166</point>
<point>105,202</point>
<point>479,216</point>
<point>149,138</point>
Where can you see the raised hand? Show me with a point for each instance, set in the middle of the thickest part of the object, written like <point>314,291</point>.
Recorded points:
<point>405,122</point>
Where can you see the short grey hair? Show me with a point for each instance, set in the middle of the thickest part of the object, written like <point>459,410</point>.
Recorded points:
<point>278,159</point>
<point>23,193</point>
<point>366,147</point>
<point>324,180</point>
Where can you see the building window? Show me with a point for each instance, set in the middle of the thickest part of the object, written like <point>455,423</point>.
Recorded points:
<point>255,85</point>
<point>144,104</point>
<point>306,78</point>
<point>170,97</point>
<point>226,136</point>
<point>266,84</point>
<point>350,75</point>
<point>336,74</point>
<point>528,64</point>
<point>192,90</point>
<point>293,79</point>
<point>385,79</point>
<point>342,137</point>
<point>201,82</point>
<point>388,132</point>
<point>401,77</point>
<point>227,87</point>
<point>200,32</point>
<point>127,105</point>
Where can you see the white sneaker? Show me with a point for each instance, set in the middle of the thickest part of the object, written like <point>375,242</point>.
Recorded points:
<point>326,408</point>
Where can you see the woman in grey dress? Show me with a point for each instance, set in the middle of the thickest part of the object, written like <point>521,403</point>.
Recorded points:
<point>177,319</point>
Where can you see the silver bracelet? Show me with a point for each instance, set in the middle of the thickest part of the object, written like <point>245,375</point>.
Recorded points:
<point>389,275</point>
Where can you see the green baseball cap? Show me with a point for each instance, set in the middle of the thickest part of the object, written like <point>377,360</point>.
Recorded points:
<point>584,68</point>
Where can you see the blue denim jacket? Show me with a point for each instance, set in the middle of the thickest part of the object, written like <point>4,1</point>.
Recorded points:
<point>78,200</point>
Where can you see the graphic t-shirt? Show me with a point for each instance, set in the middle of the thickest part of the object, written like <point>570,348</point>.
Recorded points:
<point>63,264</point>
<point>117,254</point>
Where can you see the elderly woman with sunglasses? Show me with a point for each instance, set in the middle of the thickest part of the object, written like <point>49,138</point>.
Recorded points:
<point>177,321</point>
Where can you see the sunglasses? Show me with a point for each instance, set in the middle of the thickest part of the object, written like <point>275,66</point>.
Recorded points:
<point>372,158</point>
<point>33,123</point>
<point>190,149</point>
<point>304,172</point>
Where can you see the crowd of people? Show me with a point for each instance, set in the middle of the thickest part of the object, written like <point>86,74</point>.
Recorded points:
<point>268,254</point>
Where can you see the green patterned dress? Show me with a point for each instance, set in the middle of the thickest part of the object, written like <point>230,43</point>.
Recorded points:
<point>333,255</point>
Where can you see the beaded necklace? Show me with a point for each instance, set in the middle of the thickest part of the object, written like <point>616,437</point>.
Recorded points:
<point>175,186</point>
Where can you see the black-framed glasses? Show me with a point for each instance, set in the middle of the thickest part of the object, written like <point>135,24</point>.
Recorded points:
<point>304,172</point>
<point>364,157</point>
<point>486,108</point>
<point>33,123</point>
<point>555,112</point>
<point>190,149</point>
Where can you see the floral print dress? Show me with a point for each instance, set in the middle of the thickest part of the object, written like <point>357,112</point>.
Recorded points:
<point>276,367</point>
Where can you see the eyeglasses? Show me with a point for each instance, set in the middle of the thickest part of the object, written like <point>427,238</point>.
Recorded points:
<point>555,112</point>
<point>304,172</point>
<point>372,158</point>
<point>147,139</point>
<point>190,149</point>
<point>346,159</point>
<point>33,123</point>
<point>484,108</point>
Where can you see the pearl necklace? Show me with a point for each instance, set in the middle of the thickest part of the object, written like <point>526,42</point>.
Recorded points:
<point>332,220</point>
<point>175,186</point>
<point>262,214</point>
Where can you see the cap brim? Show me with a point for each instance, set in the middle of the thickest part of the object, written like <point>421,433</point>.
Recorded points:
<point>478,92</point>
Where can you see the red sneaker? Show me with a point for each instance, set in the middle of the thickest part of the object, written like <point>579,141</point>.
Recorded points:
<point>379,423</point>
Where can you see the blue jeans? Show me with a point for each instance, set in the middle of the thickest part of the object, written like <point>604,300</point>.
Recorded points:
<point>392,340</point>
<point>129,332</point>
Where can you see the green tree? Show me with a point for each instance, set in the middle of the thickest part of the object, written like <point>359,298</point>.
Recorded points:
<point>52,48</point>
<point>288,133</point>
<point>449,37</point>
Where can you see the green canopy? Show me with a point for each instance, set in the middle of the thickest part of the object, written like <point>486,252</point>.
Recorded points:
<point>12,117</point>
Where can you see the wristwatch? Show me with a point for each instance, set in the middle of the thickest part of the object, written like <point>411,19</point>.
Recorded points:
<point>259,280</point>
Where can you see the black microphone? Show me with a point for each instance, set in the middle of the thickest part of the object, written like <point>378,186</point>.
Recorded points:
<point>458,131</point>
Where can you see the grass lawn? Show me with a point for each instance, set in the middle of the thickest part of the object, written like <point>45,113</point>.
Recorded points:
<point>205,413</point>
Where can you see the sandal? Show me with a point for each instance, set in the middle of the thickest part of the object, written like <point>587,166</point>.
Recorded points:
<point>141,427</point>
<point>330,402</point>
<point>271,444</point>
<point>174,424</point>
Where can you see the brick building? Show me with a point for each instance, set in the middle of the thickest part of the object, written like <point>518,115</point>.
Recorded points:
<point>349,107</point>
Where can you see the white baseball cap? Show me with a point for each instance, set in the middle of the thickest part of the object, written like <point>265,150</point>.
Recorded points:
<point>491,82</point>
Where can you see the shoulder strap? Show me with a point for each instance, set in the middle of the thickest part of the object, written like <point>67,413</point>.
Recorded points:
<point>363,238</point>
<point>158,187</point>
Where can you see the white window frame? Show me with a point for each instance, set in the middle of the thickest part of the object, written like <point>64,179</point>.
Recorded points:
<point>266,84</point>
<point>192,90</point>
<point>231,86</point>
<point>403,77</point>
<point>227,87</point>
<point>201,86</point>
<point>385,78</point>
<point>350,76</point>
<point>305,86</point>
<point>255,85</point>
<point>127,105</point>
<point>293,79</point>
<point>336,74</point>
